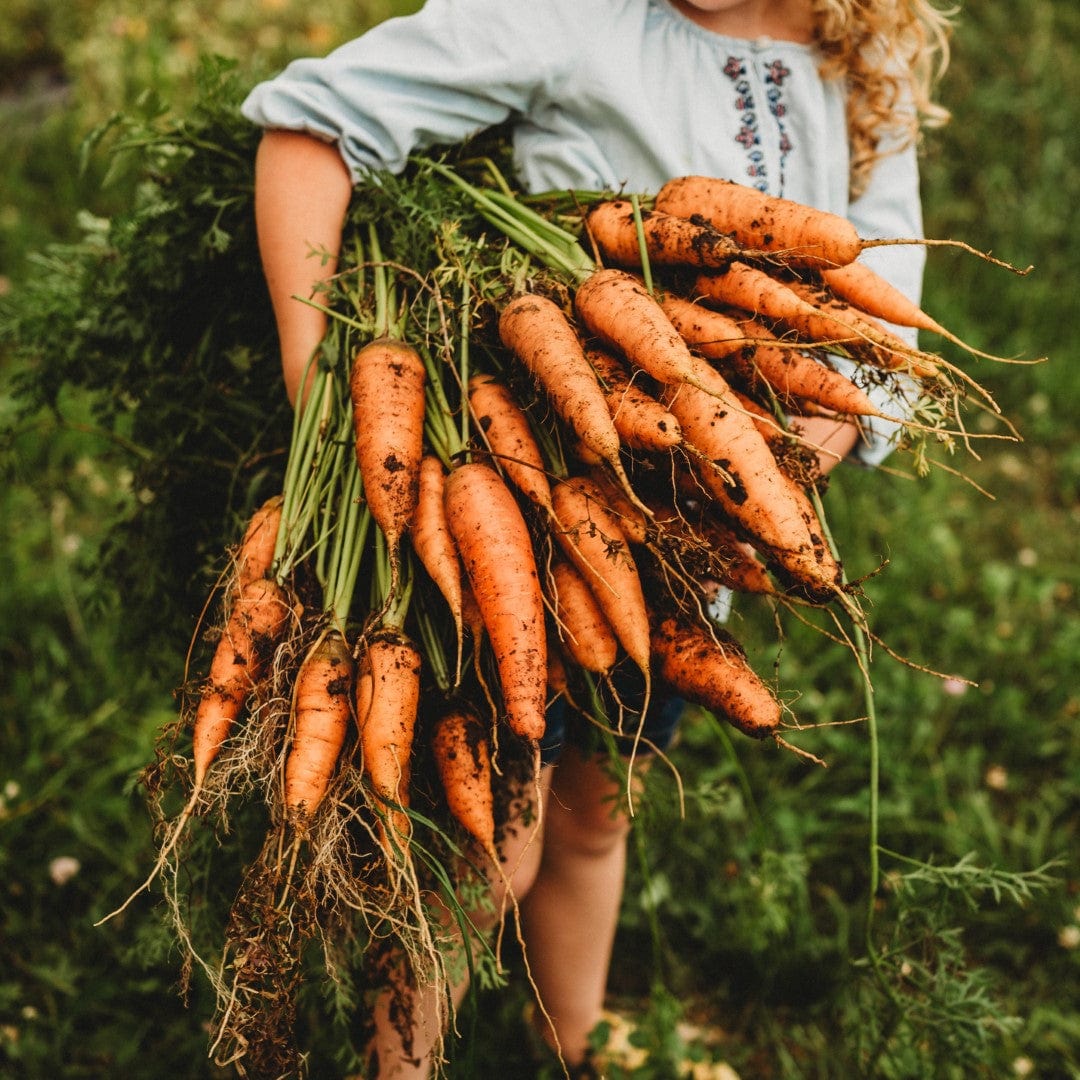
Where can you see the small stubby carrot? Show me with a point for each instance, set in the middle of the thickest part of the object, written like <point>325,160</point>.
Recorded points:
<point>584,627</point>
<point>591,537</point>
<point>670,240</point>
<point>322,708</point>
<point>432,542</point>
<point>259,616</point>
<point>617,309</point>
<point>255,554</point>
<point>387,389</point>
<point>496,550</point>
<point>388,724</point>
<point>544,339</point>
<point>506,429</point>
<point>800,234</point>
<point>709,668</point>
<point>754,291</point>
<point>641,421</point>
<point>463,760</point>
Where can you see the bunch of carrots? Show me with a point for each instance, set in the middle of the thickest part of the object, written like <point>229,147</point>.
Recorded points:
<point>540,475</point>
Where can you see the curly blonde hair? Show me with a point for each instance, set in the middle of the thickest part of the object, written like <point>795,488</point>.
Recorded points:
<point>891,53</point>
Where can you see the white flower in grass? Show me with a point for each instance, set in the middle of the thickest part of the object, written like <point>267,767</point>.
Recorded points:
<point>63,868</point>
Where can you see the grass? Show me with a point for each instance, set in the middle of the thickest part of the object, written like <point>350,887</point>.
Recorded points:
<point>761,905</point>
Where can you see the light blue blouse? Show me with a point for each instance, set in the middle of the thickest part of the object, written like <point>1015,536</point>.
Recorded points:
<point>604,94</point>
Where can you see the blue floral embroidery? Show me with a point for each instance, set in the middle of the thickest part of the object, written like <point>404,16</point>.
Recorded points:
<point>749,134</point>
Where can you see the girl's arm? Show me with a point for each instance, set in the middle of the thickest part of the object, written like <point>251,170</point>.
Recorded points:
<point>302,193</point>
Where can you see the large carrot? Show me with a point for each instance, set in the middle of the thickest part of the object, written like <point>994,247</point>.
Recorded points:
<point>641,421</point>
<point>617,308</point>
<point>463,760</point>
<point>709,668</point>
<point>590,535</point>
<point>496,549</point>
<point>255,555</point>
<point>746,347</point>
<point>541,336</point>
<point>322,705</point>
<point>800,234</point>
<point>506,429</point>
<point>387,387</point>
<point>744,476</point>
<point>584,628</point>
<point>388,723</point>
<point>669,240</point>
<point>758,293</point>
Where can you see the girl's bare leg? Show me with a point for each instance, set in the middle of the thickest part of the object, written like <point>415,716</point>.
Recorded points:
<point>571,912</point>
<point>392,1057</point>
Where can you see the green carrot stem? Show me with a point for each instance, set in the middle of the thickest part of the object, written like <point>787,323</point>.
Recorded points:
<point>639,226</point>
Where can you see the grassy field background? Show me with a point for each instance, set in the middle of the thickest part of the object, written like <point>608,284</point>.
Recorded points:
<point>756,921</point>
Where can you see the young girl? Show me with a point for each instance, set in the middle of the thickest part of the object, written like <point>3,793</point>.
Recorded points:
<point>816,100</point>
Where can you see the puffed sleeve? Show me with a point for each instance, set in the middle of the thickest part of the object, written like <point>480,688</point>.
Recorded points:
<point>432,78</point>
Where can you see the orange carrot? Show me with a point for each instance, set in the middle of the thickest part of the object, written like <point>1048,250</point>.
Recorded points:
<point>737,467</point>
<point>322,705</point>
<point>865,289</point>
<point>798,374</point>
<point>713,548</point>
<point>256,552</point>
<point>758,293</point>
<point>388,725</point>
<point>387,387</point>
<point>463,760</point>
<point>641,421</point>
<point>709,332</point>
<point>585,629</point>
<point>496,550</point>
<point>538,332</point>
<point>633,521</point>
<point>710,669</point>
<point>616,307</point>
<point>431,539</point>
<point>717,427</point>
<point>802,235</point>
<point>256,622</point>
<point>590,535</point>
<point>506,429</point>
<point>670,240</point>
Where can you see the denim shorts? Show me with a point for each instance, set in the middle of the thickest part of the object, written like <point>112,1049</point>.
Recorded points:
<point>566,725</point>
